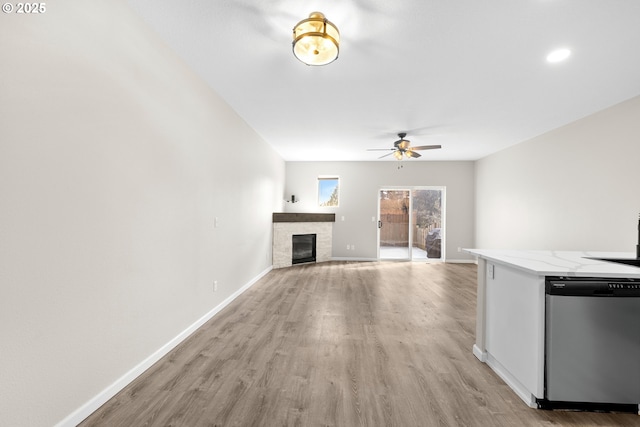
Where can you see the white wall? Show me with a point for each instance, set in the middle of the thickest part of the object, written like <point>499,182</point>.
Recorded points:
<point>574,188</point>
<point>114,162</point>
<point>359,185</point>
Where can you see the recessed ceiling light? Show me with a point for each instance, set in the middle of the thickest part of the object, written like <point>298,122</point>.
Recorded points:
<point>558,55</point>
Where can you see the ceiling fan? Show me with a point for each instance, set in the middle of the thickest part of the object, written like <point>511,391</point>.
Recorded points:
<point>403,146</point>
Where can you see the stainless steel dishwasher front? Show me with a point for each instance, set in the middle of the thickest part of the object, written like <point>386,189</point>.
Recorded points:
<point>592,341</point>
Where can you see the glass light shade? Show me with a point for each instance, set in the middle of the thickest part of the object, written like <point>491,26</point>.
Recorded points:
<point>316,41</point>
<point>397,154</point>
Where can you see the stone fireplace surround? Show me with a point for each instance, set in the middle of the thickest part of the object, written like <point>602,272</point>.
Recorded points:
<point>285,225</point>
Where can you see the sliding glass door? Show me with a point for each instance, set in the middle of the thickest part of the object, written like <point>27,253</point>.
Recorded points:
<point>410,225</point>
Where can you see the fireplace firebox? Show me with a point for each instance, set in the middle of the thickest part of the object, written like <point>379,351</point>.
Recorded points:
<point>304,248</point>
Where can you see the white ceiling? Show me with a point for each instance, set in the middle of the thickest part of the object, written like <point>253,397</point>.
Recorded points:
<point>467,74</point>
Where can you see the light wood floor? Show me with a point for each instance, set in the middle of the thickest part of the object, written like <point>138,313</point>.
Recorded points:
<point>337,344</point>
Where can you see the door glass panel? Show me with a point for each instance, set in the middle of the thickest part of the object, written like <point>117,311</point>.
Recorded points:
<point>426,224</point>
<point>394,223</point>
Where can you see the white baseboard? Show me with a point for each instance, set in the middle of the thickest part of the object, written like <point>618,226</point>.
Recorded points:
<point>346,258</point>
<point>451,261</point>
<point>77,416</point>
<point>481,355</point>
<point>461,261</point>
<point>519,389</point>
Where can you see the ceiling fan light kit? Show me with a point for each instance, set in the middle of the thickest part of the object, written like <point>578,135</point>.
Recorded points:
<point>316,40</point>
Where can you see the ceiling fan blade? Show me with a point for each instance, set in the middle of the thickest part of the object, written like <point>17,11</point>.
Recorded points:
<point>423,130</point>
<point>382,157</point>
<point>380,149</point>
<point>426,147</point>
<point>412,154</point>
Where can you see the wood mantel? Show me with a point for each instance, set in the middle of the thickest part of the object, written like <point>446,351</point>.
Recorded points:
<point>303,217</point>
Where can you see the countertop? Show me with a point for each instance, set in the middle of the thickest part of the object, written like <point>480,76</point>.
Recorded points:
<point>561,263</point>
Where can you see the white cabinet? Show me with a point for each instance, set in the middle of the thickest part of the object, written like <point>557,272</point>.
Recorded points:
<point>514,329</point>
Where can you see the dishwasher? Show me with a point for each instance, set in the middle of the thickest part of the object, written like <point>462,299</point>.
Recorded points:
<point>592,344</point>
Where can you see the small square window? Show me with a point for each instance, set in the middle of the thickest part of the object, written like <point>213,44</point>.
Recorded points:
<point>328,189</point>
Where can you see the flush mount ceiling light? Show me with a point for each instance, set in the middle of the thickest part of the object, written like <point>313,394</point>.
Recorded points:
<point>558,55</point>
<point>316,41</point>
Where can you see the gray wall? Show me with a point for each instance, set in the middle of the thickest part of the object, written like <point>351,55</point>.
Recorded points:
<point>359,185</point>
<point>114,161</point>
<point>574,188</point>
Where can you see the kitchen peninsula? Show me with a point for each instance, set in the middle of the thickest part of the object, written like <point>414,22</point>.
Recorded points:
<point>510,325</point>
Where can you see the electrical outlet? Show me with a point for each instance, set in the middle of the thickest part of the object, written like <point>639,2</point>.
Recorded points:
<point>491,271</point>
<point>348,247</point>
<point>215,285</point>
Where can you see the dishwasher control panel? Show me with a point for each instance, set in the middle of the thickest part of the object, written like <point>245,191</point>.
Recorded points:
<point>597,287</point>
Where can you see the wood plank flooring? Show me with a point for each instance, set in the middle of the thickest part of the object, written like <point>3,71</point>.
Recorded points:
<point>337,344</point>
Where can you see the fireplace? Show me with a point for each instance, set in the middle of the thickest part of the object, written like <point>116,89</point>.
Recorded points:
<point>303,248</point>
<point>287,225</point>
